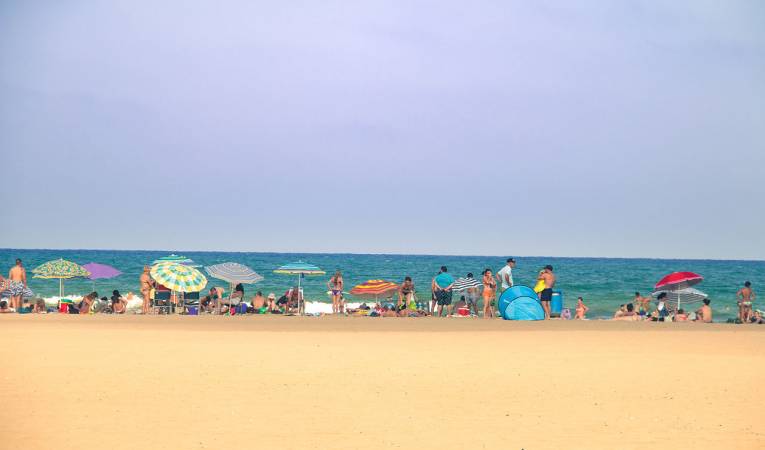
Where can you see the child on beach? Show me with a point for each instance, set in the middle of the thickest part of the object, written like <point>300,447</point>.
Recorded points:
<point>581,309</point>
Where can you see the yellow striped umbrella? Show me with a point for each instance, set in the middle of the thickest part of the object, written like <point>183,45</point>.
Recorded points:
<point>60,269</point>
<point>178,278</point>
<point>374,288</point>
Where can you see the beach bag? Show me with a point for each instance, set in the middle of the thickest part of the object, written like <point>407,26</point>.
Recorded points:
<point>242,308</point>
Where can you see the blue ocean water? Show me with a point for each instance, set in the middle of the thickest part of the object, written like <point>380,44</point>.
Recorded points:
<point>605,283</point>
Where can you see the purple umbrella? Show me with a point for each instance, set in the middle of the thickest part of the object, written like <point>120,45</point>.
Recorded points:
<point>100,271</point>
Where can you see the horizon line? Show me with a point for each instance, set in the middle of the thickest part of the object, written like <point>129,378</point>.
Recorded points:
<point>384,254</point>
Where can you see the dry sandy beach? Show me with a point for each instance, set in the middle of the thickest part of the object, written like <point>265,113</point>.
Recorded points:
<point>130,382</point>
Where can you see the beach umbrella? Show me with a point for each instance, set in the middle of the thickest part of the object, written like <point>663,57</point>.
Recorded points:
<point>462,284</point>
<point>100,272</point>
<point>678,296</point>
<point>372,289</point>
<point>26,293</point>
<point>300,269</point>
<point>233,273</point>
<point>175,259</point>
<point>678,280</point>
<point>178,277</point>
<point>61,270</point>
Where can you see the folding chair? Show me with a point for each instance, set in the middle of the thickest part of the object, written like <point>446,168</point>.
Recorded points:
<point>162,302</point>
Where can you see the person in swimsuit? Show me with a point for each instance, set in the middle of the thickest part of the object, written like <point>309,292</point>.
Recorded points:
<point>581,309</point>
<point>704,314</point>
<point>17,284</point>
<point>406,294</point>
<point>119,304</point>
<point>146,284</point>
<point>335,285</point>
<point>471,296</point>
<point>489,288</point>
<point>643,303</point>
<point>546,295</point>
<point>745,297</point>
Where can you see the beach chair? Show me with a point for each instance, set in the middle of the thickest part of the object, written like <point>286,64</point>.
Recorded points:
<point>189,299</point>
<point>162,302</point>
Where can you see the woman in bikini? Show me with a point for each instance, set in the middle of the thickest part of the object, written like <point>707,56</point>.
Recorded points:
<point>489,289</point>
<point>405,295</point>
<point>581,309</point>
<point>335,285</point>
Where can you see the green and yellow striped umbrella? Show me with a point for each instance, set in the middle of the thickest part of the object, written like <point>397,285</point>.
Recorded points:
<point>60,269</point>
<point>178,277</point>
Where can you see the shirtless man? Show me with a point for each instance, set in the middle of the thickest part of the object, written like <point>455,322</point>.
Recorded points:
<point>17,283</point>
<point>146,285</point>
<point>745,297</point>
<point>704,314</point>
<point>643,303</point>
<point>546,295</point>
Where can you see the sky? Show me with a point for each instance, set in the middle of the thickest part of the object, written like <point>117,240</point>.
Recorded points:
<point>591,128</point>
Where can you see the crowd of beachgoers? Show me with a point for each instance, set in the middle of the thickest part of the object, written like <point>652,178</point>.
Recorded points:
<point>478,298</point>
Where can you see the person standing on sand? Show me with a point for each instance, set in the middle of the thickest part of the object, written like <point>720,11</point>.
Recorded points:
<point>146,284</point>
<point>581,309</point>
<point>433,297</point>
<point>405,294</point>
<point>546,295</point>
<point>17,283</point>
<point>335,285</point>
<point>505,275</point>
<point>745,297</point>
<point>472,296</point>
<point>489,290</point>
<point>443,286</point>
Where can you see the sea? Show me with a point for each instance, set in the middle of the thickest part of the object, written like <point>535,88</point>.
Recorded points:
<point>603,283</point>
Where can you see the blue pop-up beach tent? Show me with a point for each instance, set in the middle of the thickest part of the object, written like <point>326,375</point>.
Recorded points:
<point>520,303</point>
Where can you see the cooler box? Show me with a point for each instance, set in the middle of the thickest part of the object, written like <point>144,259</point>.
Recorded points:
<point>556,304</point>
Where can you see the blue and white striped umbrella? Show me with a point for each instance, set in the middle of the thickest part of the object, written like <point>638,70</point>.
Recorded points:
<point>26,293</point>
<point>465,283</point>
<point>234,273</point>
<point>299,268</point>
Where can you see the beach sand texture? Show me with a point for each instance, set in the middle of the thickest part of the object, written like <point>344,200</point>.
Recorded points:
<point>72,382</point>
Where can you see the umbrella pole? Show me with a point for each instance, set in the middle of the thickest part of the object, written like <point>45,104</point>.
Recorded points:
<point>300,311</point>
<point>60,287</point>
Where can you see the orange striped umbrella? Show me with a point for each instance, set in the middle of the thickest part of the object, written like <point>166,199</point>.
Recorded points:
<point>373,289</point>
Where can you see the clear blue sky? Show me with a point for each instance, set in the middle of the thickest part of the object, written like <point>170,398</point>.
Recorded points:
<point>523,128</point>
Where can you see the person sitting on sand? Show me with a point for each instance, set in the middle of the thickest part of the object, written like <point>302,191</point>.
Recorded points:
<point>258,303</point>
<point>704,314</point>
<point>620,312</point>
<point>209,301</point>
<point>629,313</point>
<point>661,307</point>
<point>83,307</point>
<point>581,309</point>
<point>642,303</point>
<point>4,309</point>
<point>681,316</point>
<point>119,304</point>
<point>757,317</point>
<point>388,311</point>
<point>271,302</point>
<point>39,307</point>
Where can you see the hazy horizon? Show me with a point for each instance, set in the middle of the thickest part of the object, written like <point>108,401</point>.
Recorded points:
<point>595,129</point>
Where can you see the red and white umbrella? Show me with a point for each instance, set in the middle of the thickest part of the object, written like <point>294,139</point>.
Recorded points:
<point>678,280</point>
